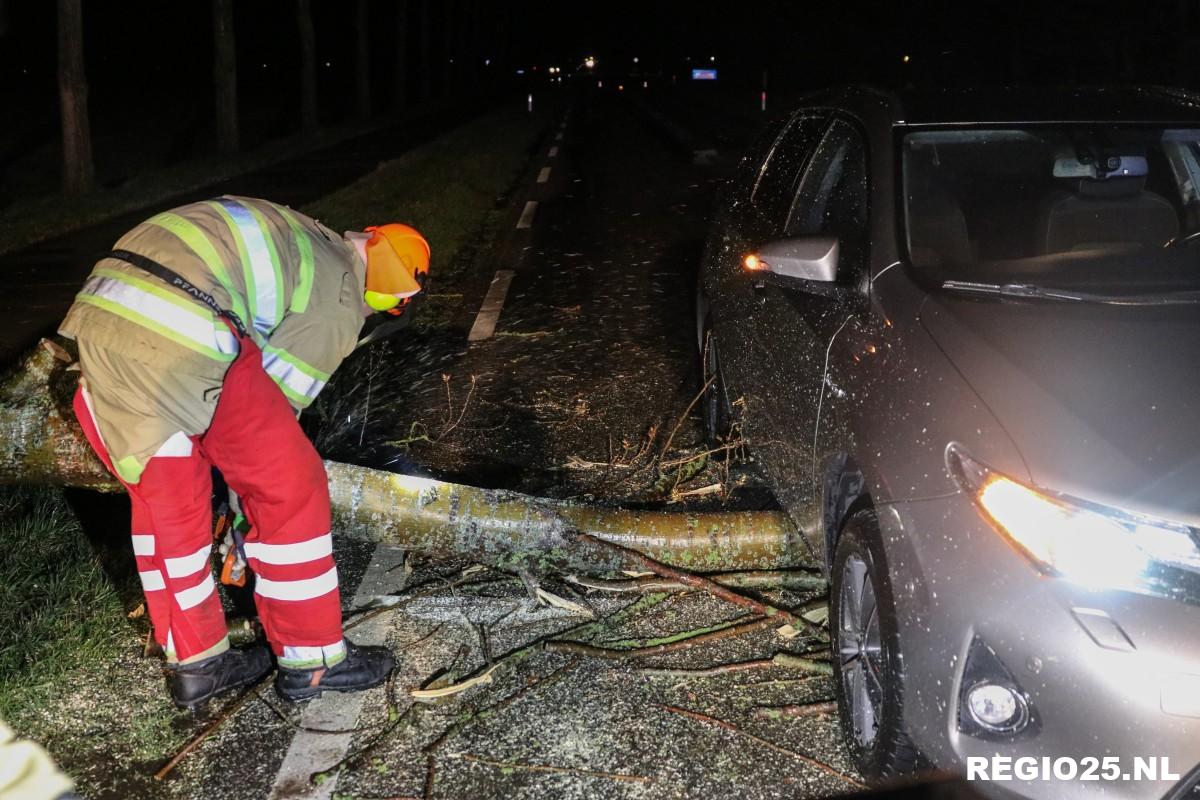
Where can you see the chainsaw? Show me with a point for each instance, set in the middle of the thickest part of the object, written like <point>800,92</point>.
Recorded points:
<point>230,534</point>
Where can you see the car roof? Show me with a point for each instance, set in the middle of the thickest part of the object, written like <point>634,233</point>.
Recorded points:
<point>1013,104</point>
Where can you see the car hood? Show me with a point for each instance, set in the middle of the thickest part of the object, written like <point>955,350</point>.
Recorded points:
<point>1102,401</point>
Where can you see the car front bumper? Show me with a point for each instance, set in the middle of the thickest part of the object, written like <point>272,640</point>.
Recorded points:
<point>1107,673</point>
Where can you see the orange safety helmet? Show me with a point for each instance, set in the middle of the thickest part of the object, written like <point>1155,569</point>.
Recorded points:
<point>397,263</point>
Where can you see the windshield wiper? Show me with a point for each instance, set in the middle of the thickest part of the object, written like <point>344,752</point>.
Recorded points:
<point>1029,291</point>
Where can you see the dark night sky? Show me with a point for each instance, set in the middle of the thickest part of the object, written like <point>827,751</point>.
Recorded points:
<point>145,42</point>
<point>149,61</point>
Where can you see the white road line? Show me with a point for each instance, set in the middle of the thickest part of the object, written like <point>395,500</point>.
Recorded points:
<point>526,220</point>
<point>312,752</point>
<point>553,151</point>
<point>544,175</point>
<point>489,312</point>
<point>558,136</point>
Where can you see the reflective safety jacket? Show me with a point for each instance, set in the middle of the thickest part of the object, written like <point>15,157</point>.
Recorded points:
<point>153,357</point>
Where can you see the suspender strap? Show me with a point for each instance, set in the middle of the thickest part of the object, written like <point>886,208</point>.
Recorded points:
<point>173,278</point>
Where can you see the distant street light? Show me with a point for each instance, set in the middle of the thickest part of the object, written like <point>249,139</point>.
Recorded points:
<point>589,62</point>
<point>906,59</point>
<point>635,59</point>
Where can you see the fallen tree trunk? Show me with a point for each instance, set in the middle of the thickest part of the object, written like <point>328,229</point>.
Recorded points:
<point>40,443</point>
<point>518,532</point>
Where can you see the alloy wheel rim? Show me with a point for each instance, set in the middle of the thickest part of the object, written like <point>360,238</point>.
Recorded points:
<point>861,651</point>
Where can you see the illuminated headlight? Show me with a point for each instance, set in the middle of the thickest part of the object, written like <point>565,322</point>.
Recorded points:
<point>1085,542</point>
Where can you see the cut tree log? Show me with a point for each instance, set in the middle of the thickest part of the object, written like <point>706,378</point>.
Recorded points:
<point>517,532</point>
<point>41,443</point>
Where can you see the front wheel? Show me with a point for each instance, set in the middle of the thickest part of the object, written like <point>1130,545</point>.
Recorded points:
<point>866,646</point>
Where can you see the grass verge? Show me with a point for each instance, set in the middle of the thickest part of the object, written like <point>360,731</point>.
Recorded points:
<point>448,189</point>
<point>34,219</point>
<point>58,608</point>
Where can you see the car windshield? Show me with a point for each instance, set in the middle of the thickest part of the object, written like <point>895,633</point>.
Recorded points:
<point>1105,208</point>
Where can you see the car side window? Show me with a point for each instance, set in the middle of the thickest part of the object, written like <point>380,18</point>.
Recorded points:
<point>779,172</point>
<point>832,199</point>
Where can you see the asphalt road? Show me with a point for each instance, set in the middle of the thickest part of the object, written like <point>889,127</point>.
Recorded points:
<point>590,364</point>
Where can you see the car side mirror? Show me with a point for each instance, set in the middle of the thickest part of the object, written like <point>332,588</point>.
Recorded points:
<point>806,258</point>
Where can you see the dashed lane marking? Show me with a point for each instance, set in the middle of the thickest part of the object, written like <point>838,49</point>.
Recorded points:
<point>526,220</point>
<point>544,175</point>
<point>489,312</point>
<point>553,151</point>
<point>558,136</point>
<point>310,751</point>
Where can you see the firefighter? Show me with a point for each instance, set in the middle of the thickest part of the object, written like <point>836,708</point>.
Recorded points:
<point>27,772</point>
<point>201,337</point>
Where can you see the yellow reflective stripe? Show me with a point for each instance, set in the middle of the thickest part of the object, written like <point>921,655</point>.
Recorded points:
<point>247,271</point>
<point>157,289</point>
<point>130,470</point>
<point>297,362</point>
<point>155,303</point>
<point>191,327</point>
<point>295,380</point>
<point>273,254</point>
<point>308,657</point>
<point>303,292</point>
<point>297,399</point>
<point>260,262</point>
<point>191,235</point>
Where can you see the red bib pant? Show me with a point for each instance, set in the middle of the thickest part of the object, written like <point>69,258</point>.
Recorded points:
<point>256,442</point>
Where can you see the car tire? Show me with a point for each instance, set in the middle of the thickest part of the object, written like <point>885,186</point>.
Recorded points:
<point>866,646</point>
<point>715,402</point>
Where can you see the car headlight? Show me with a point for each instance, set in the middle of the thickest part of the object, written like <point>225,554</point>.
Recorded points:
<point>1085,542</point>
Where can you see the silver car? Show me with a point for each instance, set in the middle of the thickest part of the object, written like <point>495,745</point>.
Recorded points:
<point>961,333</point>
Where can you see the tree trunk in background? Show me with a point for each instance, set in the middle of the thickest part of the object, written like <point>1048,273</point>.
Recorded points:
<point>450,23</point>
<point>225,76</point>
<point>79,174</point>
<point>502,58</point>
<point>426,66</point>
<point>362,61</point>
<point>400,75</point>
<point>308,66</point>
<point>464,46</point>
<point>480,46</point>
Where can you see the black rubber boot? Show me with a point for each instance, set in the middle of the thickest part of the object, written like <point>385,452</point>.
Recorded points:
<point>362,668</point>
<point>192,685</point>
